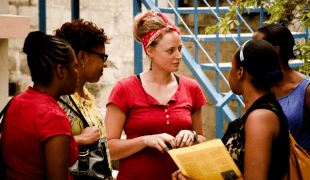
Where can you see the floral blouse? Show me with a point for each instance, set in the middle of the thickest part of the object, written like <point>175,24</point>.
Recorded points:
<point>89,111</point>
<point>234,138</point>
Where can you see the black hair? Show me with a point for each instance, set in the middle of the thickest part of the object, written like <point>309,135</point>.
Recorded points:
<point>279,35</point>
<point>261,61</point>
<point>44,52</point>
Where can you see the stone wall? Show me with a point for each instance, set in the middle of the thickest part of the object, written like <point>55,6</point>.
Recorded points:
<point>116,17</point>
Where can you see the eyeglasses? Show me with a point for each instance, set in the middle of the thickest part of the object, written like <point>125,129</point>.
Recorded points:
<point>104,57</point>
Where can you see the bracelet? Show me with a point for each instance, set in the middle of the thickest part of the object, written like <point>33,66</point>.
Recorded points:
<point>195,135</point>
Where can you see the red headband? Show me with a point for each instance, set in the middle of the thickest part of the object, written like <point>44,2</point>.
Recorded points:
<point>151,36</point>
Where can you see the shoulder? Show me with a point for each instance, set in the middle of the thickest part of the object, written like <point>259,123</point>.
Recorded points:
<point>127,82</point>
<point>127,85</point>
<point>308,87</point>
<point>263,121</point>
<point>188,82</point>
<point>307,96</point>
<point>55,111</point>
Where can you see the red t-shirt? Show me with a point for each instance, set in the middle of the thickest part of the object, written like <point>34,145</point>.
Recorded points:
<point>146,116</point>
<point>33,117</point>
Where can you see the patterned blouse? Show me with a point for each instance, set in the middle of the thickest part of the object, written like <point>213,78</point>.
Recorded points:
<point>89,111</point>
<point>234,138</point>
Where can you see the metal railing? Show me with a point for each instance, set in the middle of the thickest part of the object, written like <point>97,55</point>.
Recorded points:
<point>219,99</point>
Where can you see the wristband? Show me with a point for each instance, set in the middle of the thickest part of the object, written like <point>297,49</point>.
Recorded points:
<point>195,135</point>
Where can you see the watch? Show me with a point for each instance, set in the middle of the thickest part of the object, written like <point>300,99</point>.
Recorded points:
<point>195,135</point>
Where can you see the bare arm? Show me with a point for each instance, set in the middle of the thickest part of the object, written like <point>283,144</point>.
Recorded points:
<point>122,148</point>
<point>197,125</point>
<point>56,157</point>
<point>88,136</point>
<point>261,128</point>
<point>185,137</point>
<point>307,105</point>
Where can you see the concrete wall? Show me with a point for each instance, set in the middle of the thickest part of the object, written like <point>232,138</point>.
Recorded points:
<point>116,17</point>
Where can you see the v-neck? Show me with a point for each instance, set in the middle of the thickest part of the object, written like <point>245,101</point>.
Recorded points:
<point>154,101</point>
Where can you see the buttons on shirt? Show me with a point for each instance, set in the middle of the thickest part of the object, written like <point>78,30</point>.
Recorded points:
<point>167,116</point>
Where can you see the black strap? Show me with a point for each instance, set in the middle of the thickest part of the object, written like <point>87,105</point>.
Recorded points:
<point>138,76</point>
<point>176,77</point>
<point>3,114</point>
<point>77,111</point>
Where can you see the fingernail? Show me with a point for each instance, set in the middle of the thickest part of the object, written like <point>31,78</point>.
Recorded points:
<point>176,140</point>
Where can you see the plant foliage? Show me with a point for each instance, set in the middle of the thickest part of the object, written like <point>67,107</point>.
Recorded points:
<point>280,11</point>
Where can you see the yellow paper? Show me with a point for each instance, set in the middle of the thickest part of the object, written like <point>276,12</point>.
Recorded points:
<point>206,161</point>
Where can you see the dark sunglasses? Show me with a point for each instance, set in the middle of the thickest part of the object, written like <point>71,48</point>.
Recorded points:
<point>104,57</point>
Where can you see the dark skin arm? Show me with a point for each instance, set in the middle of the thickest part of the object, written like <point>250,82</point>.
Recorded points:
<point>56,157</point>
<point>261,127</point>
<point>307,105</point>
<point>88,136</point>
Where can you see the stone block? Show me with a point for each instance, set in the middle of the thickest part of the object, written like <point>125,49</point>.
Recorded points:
<point>12,10</point>
<point>4,7</point>
<point>13,26</point>
<point>54,20</point>
<point>60,3</point>
<point>32,12</point>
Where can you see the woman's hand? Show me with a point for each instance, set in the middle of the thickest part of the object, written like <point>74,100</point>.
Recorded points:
<point>184,138</point>
<point>179,176</point>
<point>88,136</point>
<point>159,141</point>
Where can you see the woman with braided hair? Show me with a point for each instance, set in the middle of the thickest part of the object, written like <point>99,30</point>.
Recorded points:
<point>157,109</point>
<point>37,139</point>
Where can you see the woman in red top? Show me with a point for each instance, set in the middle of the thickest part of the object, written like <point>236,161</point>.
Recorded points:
<point>37,140</point>
<point>157,109</point>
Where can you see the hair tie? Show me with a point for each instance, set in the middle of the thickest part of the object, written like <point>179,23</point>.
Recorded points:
<point>272,74</point>
<point>150,37</point>
<point>241,51</point>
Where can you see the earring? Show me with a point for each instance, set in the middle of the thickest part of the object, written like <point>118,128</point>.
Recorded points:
<point>83,65</point>
<point>151,66</point>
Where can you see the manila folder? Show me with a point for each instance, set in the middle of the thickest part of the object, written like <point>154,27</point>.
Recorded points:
<point>206,161</point>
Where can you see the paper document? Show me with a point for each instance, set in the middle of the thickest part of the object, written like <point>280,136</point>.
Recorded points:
<point>206,161</point>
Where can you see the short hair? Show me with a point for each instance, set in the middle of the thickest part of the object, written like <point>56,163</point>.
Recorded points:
<point>279,35</point>
<point>44,52</point>
<point>261,61</point>
<point>148,22</point>
<point>82,35</point>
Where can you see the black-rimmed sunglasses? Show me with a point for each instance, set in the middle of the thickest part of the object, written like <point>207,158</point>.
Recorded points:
<point>104,57</point>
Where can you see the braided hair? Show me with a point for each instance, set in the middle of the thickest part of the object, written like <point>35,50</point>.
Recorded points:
<point>44,53</point>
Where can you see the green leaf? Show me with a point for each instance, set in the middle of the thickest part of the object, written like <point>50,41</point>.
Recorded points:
<point>302,5</point>
<point>231,26</point>
<point>237,22</point>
